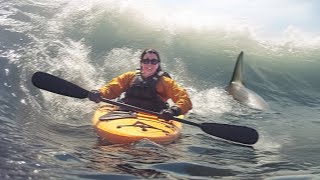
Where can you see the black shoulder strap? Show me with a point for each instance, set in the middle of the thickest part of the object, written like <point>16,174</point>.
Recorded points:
<point>162,73</point>
<point>167,75</point>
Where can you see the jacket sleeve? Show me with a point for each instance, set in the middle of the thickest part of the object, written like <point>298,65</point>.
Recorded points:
<point>177,93</point>
<point>117,85</point>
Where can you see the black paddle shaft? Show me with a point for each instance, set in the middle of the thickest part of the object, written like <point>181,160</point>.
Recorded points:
<point>238,134</point>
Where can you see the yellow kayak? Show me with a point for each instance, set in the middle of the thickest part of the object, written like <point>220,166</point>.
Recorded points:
<point>121,127</point>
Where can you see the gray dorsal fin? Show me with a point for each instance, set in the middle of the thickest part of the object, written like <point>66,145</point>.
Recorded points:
<point>237,72</point>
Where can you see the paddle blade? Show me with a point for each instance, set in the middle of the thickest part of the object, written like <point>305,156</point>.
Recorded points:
<point>238,134</point>
<point>56,85</point>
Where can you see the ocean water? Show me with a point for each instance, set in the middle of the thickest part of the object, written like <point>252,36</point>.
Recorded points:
<point>49,136</point>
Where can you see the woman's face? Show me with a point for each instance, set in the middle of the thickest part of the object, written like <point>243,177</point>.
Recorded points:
<point>149,64</point>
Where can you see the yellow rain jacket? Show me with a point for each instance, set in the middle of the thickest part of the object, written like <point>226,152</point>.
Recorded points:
<point>166,89</point>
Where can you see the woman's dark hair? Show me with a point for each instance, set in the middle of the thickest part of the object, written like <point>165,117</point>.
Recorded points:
<point>152,51</point>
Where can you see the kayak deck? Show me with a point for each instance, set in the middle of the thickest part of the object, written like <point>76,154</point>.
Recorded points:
<point>129,128</point>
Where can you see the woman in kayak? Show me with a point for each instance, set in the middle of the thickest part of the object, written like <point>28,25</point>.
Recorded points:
<point>148,88</point>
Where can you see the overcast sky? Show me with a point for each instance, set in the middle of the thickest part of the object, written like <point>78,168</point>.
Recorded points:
<point>275,15</point>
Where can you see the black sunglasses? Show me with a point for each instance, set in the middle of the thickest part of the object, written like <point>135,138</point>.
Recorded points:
<point>150,61</point>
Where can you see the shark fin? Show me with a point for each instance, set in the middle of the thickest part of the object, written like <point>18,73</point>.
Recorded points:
<point>237,75</point>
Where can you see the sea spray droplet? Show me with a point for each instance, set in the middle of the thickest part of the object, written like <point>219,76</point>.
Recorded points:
<point>6,84</point>
<point>23,101</point>
<point>6,71</point>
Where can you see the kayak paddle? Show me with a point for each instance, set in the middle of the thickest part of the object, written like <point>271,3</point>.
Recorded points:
<point>238,134</point>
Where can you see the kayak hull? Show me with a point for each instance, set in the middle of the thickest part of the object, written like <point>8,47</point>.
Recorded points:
<point>124,130</point>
